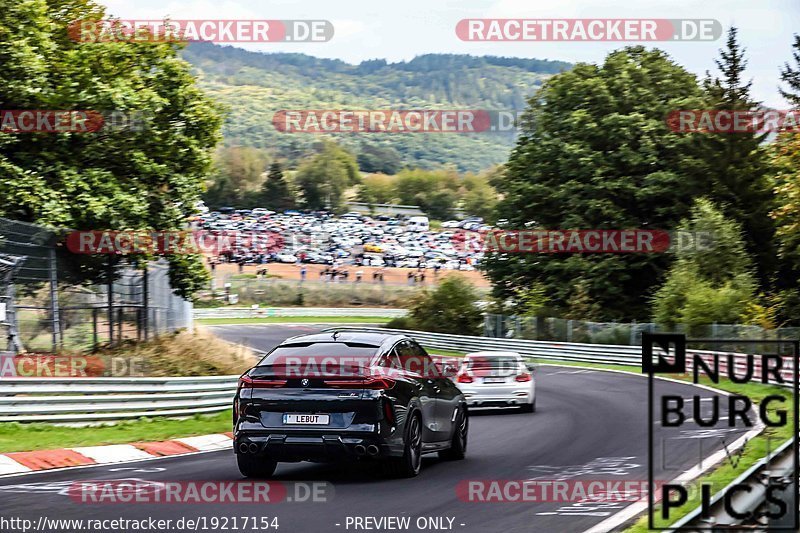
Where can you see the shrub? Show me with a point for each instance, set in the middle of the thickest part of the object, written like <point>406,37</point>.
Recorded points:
<point>450,308</point>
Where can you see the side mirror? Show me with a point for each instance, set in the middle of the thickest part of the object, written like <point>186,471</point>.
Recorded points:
<point>531,367</point>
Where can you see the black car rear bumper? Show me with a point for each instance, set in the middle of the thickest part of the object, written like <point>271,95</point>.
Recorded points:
<point>286,447</point>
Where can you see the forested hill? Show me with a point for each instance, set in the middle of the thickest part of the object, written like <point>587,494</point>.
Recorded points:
<point>255,85</point>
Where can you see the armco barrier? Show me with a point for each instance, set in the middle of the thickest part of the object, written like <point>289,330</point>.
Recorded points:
<point>97,399</point>
<point>92,399</point>
<point>264,312</point>
<point>555,351</point>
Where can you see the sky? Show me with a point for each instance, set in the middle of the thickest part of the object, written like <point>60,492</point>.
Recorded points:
<point>401,30</point>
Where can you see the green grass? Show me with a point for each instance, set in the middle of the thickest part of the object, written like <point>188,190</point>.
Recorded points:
<point>16,437</point>
<point>295,319</point>
<point>446,353</point>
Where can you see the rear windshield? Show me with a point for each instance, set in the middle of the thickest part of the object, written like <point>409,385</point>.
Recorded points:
<point>319,350</point>
<point>493,362</point>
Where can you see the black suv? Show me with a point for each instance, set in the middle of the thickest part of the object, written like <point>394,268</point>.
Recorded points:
<point>347,395</point>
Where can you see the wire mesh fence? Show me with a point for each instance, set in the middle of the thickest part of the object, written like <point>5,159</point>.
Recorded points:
<point>621,333</point>
<point>52,300</point>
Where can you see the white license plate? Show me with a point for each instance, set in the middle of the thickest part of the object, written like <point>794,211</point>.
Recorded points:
<point>494,380</point>
<point>306,420</point>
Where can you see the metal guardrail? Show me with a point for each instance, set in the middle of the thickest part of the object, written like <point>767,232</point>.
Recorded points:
<point>546,350</point>
<point>265,312</point>
<point>556,351</point>
<point>98,399</point>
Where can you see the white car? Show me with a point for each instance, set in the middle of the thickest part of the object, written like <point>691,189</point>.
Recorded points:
<point>286,258</point>
<point>497,379</point>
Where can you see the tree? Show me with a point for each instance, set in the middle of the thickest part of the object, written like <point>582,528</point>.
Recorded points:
<point>145,177</point>
<point>478,197</point>
<point>323,178</point>
<point>437,204</point>
<point>707,286</point>
<point>784,156</point>
<point>451,308</point>
<point>791,76</point>
<point>434,191</point>
<point>237,176</point>
<point>275,192</point>
<point>377,158</point>
<point>737,164</point>
<point>377,189</point>
<point>594,152</point>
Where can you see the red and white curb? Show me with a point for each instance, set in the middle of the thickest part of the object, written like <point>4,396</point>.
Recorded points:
<point>22,462</point>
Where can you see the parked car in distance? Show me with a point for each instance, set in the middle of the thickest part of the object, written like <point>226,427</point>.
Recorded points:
<point>418,224</point>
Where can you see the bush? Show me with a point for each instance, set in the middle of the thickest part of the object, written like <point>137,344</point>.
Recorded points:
<point>401,322</point>
<point>451,308</point>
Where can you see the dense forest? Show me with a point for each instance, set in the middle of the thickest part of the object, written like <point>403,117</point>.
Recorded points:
<point>253,86</point>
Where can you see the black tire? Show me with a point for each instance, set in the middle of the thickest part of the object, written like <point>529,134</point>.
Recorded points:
<point>256,467</point>
<point>410,463</point>
<point>529,407</point>
<point>458,444</point>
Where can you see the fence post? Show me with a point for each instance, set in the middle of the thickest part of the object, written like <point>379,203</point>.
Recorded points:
<point>95,340</point>
<point>632,340</point>
<point>110,302</point>
<point>54,309</point>
<point>569,330</point>
<point>146,300</point>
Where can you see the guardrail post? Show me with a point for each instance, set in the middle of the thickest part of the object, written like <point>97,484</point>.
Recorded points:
<point>146,300</point>
<point>54,308</point>
<point>110,303</point>
<point>95,341</point>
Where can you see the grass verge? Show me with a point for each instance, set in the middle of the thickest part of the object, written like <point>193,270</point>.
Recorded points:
<point>15,437</point>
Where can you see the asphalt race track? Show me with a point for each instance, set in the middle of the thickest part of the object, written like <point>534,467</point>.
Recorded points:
<point>589,425</point>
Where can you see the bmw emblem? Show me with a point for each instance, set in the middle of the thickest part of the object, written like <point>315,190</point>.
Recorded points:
<point>304,382</point>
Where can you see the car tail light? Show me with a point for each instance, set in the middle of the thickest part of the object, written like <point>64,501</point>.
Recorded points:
<point>388,412</point>
<point>463,378</point>
<point>522,378</point>
<point>379,383</point>
<point>246,382</point>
